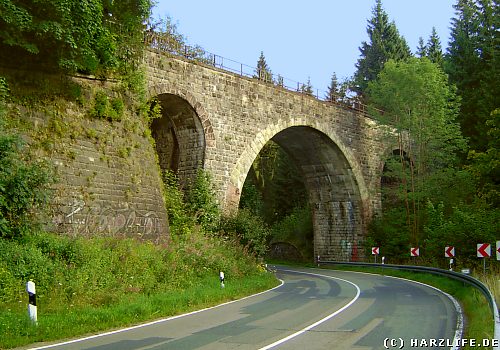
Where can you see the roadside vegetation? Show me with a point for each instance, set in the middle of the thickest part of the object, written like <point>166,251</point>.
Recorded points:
<point>85,285</point>
<point>441,189</point>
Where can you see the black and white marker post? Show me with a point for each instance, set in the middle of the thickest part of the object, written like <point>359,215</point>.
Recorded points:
<point>221,276</point>
<point>30,288</point>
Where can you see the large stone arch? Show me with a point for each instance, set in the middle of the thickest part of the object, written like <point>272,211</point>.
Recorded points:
<point>336,188</point>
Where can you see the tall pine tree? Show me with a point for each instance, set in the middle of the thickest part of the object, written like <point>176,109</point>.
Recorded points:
<point>385,43</point>
<point>433,48</point>
<point>472,64</point>
<point>263,71</point>
<point>422,48</point>
<point>332,94</point>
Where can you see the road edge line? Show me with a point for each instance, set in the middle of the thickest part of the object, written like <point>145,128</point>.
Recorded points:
<point>121,330</point>
<point>311,326</point>
<point>459,330</point>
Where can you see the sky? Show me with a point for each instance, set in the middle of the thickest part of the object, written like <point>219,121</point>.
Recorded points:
<point>301,40</point>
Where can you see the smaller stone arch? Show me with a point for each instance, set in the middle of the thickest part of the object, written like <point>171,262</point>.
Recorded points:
<point>179,137</point>
<point>166,88</point>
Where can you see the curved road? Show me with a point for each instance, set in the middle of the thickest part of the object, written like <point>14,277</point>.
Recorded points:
<point>313,309</point>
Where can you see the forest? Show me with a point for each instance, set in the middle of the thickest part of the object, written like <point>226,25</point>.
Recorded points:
<point>441,189</point>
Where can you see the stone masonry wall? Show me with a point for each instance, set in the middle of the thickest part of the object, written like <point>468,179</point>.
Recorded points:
<point>108,180</point>
<point>239,115</point>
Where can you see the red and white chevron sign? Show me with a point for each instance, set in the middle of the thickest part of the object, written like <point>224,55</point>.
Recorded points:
<point>498,250</point>
<point>415,251</point>
<point>375,250</point>
<point>483,250</point>
<point>449,252</point>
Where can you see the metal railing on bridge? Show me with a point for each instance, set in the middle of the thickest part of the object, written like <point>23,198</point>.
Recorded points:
<point>166,44</point>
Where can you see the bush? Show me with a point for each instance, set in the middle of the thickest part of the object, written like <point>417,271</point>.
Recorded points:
<point>197,205</point>
<point>296,229</point>
<point>464,228</point>
<point>250,229</point>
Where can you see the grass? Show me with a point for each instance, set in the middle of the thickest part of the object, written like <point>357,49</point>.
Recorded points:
<point>479,323</point>
<point>86,286</point>
<point>67,322</point>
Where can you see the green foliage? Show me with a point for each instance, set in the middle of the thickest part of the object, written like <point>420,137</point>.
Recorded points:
<point>92,36</point>
<point>486,165</point>
<point>417,99</point>
<point>196,205</point>
<point>201,201</point>
<point>472,62</point>
<point>250,229</point>
<point>433,48</point>
<point>24,182</point>
<point>180,222</point>
<point>263,72</point>
<point>385,44</point>
<point>195,210</point>
<point>389,231</point>
<point>338,90</point>
<point>307,88</point>
<point>466,226</point>
<point>275,193</point>
<point>296,229</point>
<point>104,107</point>
<point>251,199</point>
<point>277,179</point>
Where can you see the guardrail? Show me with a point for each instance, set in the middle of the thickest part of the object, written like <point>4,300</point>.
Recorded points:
<point>450,274</point>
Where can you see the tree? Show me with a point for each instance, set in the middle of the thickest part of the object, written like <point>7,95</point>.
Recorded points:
<point>280,81</point>
<point>486,165</point>
<point>333,93</point>
<point>263,71</point>
<point>90,36</point>
<point>422,48</point>
<point>421,107</point>
<point>385,44</point>
<point>433,48</point>
<point>307,88</point>
<point>472,64</point>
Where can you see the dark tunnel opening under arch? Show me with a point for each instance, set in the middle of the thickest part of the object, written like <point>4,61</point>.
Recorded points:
<point>179,137</point>
<point>332,192</point>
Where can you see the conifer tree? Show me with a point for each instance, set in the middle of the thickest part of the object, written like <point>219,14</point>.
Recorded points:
<point>385,43</point>
<point>263,71</point>
<point>333,92</point>
<point>472,64</point>
<point>307,88</point>
<point>422,48</point>
<point>433,48</point>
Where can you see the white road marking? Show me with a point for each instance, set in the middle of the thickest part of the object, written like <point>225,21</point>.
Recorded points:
<point>459,331</point>
<point>302,331</point>
<point>151,323</point>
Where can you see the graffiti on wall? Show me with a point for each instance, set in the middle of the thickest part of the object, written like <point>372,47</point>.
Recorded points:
<point>78,218</point>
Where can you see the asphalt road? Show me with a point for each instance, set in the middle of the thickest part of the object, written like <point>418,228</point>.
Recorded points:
<point>313,309</point>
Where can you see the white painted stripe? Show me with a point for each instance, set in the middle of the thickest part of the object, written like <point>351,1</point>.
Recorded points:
<point>459,331</point>
<point>153,322</point>
<point>302,331</point>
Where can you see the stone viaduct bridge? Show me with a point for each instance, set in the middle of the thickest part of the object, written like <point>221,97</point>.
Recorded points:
<point>219,121</point>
